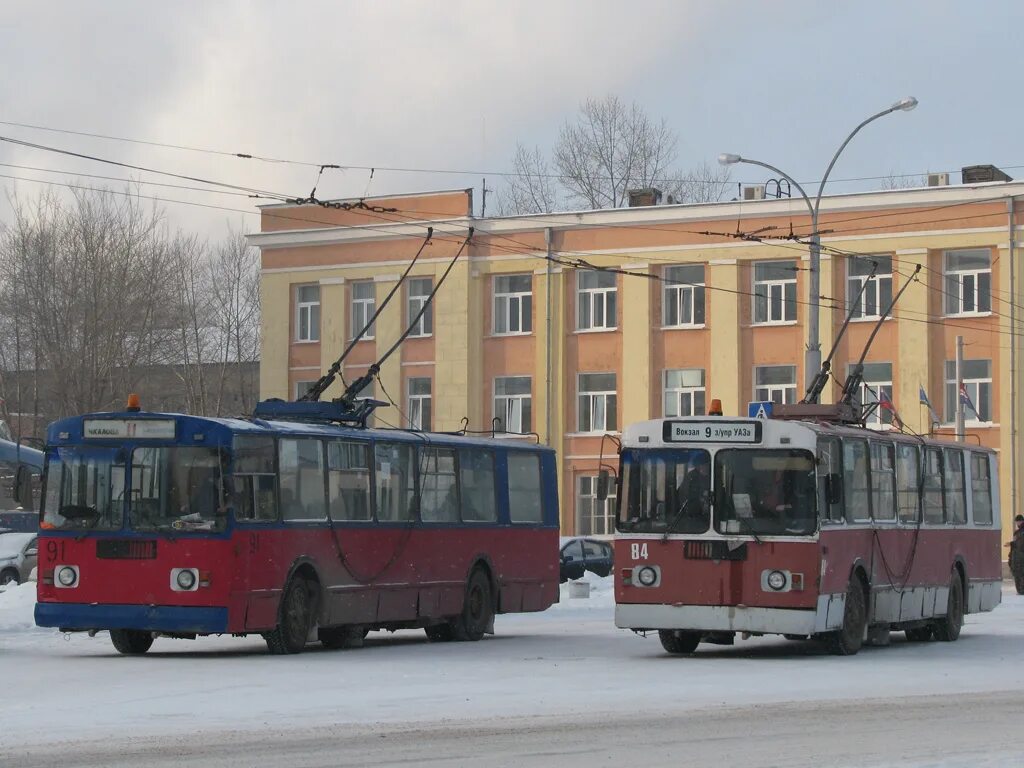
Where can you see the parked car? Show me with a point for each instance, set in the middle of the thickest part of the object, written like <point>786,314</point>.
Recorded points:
<point>18,556</point>
<point>579,555</point>
<point>20,520</point>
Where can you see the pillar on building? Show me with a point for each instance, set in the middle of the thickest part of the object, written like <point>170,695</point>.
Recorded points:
<point>332,329</point>
<point>636,322</point>
<point>387,329</point>
<point>275,303</point>
<point>452,343</point>
<point>724,317</point>
<point>913,367</point>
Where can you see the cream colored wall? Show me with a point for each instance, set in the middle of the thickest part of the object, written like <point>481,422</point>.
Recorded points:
<point>333,322</point>
<point>387,329</point>
<point>722,278</point>
<point>275,327</point>
<point>452,350</point>
<point>635,320</point>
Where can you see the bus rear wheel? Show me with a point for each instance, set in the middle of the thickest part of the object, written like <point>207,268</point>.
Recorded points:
<point>131,642</point>
<point>440,633</point>
<point>477,610</point>
<point>947,628</point>
<point>679,641</point>
<point>850,637</point>
<point>294,620</point>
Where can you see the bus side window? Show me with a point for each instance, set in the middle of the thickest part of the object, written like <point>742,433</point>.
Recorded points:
<point>476,469</point>
<point>254,481</point>
<point>439,485</point>
<point>883,482</point>
<point>856,483</point>
<point>395,482</point>
<point>933,486</point>
<point>830,481</point>
<point>956,493</point>
<point>525,502</point>
<point>349,480</point>
<point>981,489</point>
<point>908,483</point>
<point>303,484</point>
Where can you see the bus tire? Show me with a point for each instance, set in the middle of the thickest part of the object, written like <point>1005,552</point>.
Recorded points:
<point>679,641</point>
<point>440,633</point>
<point>947,628</point>
<point>477,610</point>
<point>850,637</point>
<point>131,642</point>
<point>295,617</point>
<point>919,634</point>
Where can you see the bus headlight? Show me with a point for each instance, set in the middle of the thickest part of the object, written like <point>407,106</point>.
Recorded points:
<point>646,576</point>
<point>184,579</point>
<point>776,580</point>
<point>66,576</point>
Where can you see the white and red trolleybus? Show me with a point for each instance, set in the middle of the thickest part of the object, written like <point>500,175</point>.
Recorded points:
<point>169,525</point>
<point>803,529</point>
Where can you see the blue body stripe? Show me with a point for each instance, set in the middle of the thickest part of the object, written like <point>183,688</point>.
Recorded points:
<point>155,618</point>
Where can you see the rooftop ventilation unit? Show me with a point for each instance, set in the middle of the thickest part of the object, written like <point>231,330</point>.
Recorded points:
<point>754,192</point>
<point>938,179</point>
<point>639,198</point>
<point>977,174</point>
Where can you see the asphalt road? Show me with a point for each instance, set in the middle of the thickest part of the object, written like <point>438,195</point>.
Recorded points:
<point>949,731</point>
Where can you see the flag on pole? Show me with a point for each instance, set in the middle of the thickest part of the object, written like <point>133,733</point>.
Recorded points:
<point>885,402</point>
<point>923,398</point>
<point>966,400</point>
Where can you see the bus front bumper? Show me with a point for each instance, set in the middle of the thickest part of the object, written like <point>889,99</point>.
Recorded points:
<point>204,620</point>
<point>714,618</point>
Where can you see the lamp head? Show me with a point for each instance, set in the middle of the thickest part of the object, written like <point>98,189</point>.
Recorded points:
<point>727,158</point>
<point>906,104</point>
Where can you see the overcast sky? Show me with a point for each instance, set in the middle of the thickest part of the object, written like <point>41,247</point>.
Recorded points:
<point>454,84</point>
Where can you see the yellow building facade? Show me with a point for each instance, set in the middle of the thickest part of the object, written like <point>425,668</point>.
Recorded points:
<point>529,330</point>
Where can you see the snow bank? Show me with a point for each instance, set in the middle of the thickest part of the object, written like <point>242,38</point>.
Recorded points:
<point>602,594</point>
<point>17,603</point>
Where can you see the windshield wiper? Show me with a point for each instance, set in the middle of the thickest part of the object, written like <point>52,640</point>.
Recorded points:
<point>749,526</point>
<point>670,528</point>
<point>79,512</point>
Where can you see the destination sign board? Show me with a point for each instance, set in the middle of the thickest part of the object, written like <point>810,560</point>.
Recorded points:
<point>712,432</point>
<point>132,429</point>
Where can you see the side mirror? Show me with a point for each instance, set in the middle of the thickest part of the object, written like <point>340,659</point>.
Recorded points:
<point>604,480</point>
<point>31,552</point>
<point>833,488</point>
<point>23,486</point>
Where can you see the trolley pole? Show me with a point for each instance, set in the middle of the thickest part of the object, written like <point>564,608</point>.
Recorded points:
<point>958,385</point>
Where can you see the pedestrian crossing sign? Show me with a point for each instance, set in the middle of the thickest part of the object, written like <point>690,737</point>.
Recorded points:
<point>760,409</point>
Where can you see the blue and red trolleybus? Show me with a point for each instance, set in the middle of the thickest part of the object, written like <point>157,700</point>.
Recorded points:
<point>295,524</point>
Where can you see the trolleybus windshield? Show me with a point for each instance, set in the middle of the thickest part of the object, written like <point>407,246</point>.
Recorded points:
<point>762,491</point>
<point>665,491</point>
<point>84,489</point>
<point>177,488</point>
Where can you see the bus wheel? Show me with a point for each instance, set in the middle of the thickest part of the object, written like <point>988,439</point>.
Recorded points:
<point>919,634</point>
<point>440,633</point>
<point>850,637</point>
<point>131,642</point>
<point>343,637</point>
<point>294,619</point>
<point>947,629</point>
<point>679,641</point>
<point>478,609</point>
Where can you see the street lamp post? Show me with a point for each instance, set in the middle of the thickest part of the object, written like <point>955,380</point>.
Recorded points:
<point>812,358</point>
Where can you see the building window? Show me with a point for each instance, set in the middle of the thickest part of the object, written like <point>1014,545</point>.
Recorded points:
<point>307,313</point>
<point>593,517</point>
<point>774,292</point>
<point>512,404</point>
<point>595,300</point>
<point>419,289</point>
<point>968,282</point>
<point>877,380</point>
<point>683,297</point>
<point>597,406</point>
<point>302,387</point>
<point>418,406</point>
<point>977,380</point>
<point>513,304</point>
<point>684,392</point>
<point>877,294</point>
<point>776,383</point>
<point>364,302</point>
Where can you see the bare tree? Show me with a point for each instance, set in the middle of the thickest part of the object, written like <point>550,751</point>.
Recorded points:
<point>609,149</point>
<point>533,188</point>
<point>902,181</point>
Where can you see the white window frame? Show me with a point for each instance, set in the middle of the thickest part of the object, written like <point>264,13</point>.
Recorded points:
<point>310,312</point>
<point>683,397</point>
<point>870,389</point>
<point>673,294</point>
<point>875,291</point>
<point>770,288</point>
<point>414,302</point>
<point>509,408</point>
<point>515,308</point>
<point>764,392</point>
<point>416,403</point>
<point>600,511</point>
<point>301,387</point>
<point>973,386</point>
<point>953,301</point>
<point>596,404</point>
<point>364,308</point>
<point>594,298</point>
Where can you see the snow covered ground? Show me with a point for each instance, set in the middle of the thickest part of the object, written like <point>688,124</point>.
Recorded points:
<point>562,687</point>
